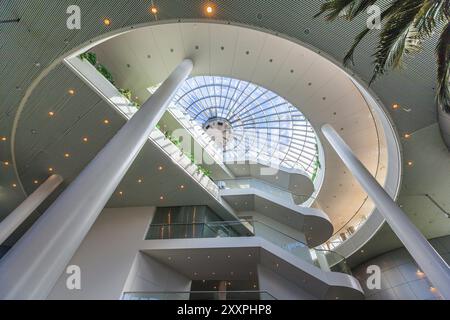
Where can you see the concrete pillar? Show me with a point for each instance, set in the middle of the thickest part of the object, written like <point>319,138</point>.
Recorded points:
<point>23,211</point>
<point>32,267</point>
<point>435,268</point>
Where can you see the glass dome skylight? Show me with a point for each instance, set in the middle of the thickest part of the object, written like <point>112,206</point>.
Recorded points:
<point>255,124</point>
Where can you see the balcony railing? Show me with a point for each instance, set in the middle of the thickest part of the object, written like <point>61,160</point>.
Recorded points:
<point>324,259</point>
<point>199,295</point>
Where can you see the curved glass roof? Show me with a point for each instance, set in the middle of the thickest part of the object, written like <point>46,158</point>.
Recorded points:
<point>259,125</point>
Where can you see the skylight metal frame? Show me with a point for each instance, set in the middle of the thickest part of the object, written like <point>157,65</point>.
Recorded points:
<point>265,125</point>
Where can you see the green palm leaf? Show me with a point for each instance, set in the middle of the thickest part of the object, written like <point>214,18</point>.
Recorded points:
<point>405,25</point>
<point>443,58</point>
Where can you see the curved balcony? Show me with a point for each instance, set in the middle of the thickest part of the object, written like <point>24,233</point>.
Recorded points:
<point>278,204</point>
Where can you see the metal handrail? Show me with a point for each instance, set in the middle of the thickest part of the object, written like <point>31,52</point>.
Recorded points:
<point>270,185</point>
<point>252,222</point>
<point>199,292</point>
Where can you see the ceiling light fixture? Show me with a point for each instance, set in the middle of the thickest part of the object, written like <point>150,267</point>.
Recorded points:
<point>50,169</point>
<point>410,163</point>
<point>106,121</point>
<point>85,139</point>
<point>407,135</point>
<point>14,185</point>
<point>160,168</point>
<point>6,163</point>
<point>51,113</point>
<point>395,106</point>
<point>139,180</point>
<point>209,9</point>
<point>153,9</point>
<point>182,187</point>
<point>35,181</point>
<point>120,193</point>
<point>4,138</point>
<point>161,198</point>
<point>71,92</point>
<point>67,155</point>
<point>107,22</point>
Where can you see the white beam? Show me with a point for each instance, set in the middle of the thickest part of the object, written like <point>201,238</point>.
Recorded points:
<point>23,211</point>
<point>32,267</point>
<point>435,268</point>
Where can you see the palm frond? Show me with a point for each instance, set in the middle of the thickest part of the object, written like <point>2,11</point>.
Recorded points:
<point>384,15</point>
<point>361,7</point>
<point>443,72</point>
<point>431,13</point>
<point>336,8</point>
<point>397,38</point>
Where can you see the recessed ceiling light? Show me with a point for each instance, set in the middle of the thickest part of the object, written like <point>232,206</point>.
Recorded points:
<point>14,185</point>
<point>139,180</point>
<point>66,155</point>
<point>407,135</point>
<point>35,181</point>
<point>161,198</point>
<point>107,22</point>
<point>4,138</point>
<point>160,168</point>
<point>106,121</point>
<point>51,113</point>
<point>6,163</point>
<point>121,193</point>
<point>395,106</point>
<point>209,9</point>
<point>189,258</point>
<point>50,169</point>
<point>410,163</point>
<point>228,257</point>
<point>182,187</point>
<point>153,9</point>
<point>85,139</point>
<point>71,92</point>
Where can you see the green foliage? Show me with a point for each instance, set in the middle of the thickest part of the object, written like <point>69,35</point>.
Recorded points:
<point>204,171</point>
<point>126,93</point>
<point>105,72</point>
<point>177,142</point>
<point>89,57</point>
<point>92,59</point>
<point>406,24</point>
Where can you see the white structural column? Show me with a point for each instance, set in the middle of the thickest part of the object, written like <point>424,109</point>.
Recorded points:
<point>435,268</point>
<point>23,211</point>
<point>32,267</point>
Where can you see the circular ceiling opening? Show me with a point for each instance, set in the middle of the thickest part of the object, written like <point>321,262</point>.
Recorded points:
<point>250,123</point>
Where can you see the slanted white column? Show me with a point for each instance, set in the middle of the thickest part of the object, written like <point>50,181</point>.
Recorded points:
<point>435,268</point>
<point>32,267</point>
<point>23,211</point>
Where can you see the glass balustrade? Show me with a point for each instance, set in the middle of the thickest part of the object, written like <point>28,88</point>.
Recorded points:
<point>199,295</point>
<point>265,187</point>
<point>324,259</point>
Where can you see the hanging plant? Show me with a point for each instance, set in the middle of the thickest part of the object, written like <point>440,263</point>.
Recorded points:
<point>105,72</point>
<point>89,57</point>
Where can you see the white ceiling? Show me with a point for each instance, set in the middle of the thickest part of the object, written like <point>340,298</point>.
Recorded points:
<point>144,57</point>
